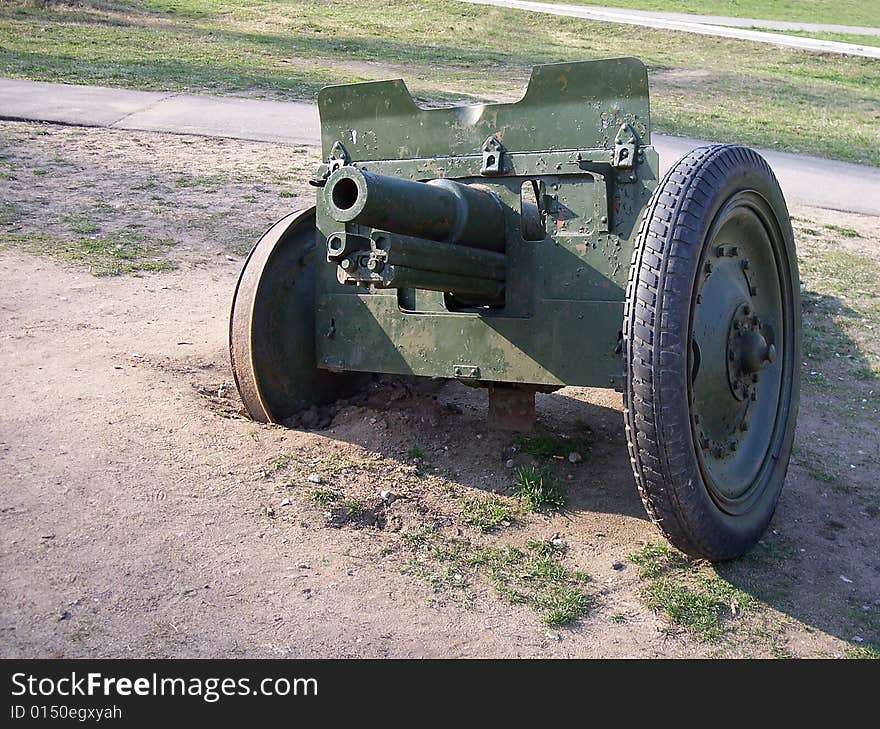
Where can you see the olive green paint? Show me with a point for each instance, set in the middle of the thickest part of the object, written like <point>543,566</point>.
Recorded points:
<point>563,295</point>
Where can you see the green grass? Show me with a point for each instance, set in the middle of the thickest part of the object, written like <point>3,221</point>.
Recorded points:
<point>703,608</point>
<point>715,88</point>
<point>692,596</point>
<point>485,513</point>
<point>106,255</point>
<point>842,296</point>
<point>324,496</point>
<point>199,181</point>
<point>655,559</point>
<point>79,224</point>
<point>538,490</point>
<point>532,576</point>
<point>546,444</point>
<point>862,652</point>
<point>838,12</point>
<point>844,231</point>
<point>10,213</point>
<point>354,507</point>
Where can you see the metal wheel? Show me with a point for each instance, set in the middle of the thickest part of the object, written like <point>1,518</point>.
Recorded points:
<point>743,319</point>
<point>272,326</point>
<point>712,348</point>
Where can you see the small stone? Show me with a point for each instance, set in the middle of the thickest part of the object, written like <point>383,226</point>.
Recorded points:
<point>858,639</point>
<point>65,615</point>
<point>575,457</point>
<point>373,421</point>
<point>285,502</point>
<point>270,511</point>
<point>509,463</point>
<point>387,496</point>
<point>315,478</point>
<point>553,636</point>
<point>846,579</point>
<point>617,566</point>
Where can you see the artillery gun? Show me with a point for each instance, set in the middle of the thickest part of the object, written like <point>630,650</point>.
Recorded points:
<point>527,246</point>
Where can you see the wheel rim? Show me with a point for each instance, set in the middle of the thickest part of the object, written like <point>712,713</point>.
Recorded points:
<point>272,326</point>
<point>740,378</point>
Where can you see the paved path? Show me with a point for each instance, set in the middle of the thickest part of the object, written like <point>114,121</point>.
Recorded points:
<point>746,22</point>
<point>805,180</point>
<point>652,20</point>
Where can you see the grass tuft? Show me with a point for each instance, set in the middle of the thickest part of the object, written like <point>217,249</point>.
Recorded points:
<point>845,232</point>
<point>533,576</point>
<point>655,559</point>
<point>486,513</point>
<point>324,496</point>
<point>703,608</point>
<point>354,507</point>
<point>546,444</point>
<point>537,490</point>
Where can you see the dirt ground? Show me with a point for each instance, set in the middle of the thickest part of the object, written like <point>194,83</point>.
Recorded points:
<point>142,516</point>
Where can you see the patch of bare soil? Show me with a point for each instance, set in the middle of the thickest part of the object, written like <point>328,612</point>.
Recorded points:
<point>142,515</point>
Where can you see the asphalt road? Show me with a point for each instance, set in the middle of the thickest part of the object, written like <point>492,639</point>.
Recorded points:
<point>697,25</point>
<point>805,180</point>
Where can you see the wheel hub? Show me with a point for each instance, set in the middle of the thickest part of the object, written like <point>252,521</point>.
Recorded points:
<point>747,352</point>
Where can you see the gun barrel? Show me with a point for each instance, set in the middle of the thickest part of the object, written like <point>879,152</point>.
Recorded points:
<point>439,210</point>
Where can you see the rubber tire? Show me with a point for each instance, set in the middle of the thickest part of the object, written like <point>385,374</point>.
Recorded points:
<point>659,302</point>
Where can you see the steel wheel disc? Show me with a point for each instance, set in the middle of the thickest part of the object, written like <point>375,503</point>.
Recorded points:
<point>741,353</point>
<point>272,326</point>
